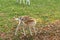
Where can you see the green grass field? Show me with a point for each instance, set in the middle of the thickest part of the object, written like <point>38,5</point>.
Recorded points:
<point>46,10</point>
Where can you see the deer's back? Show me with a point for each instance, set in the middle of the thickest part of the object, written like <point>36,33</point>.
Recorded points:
<point>30,22</point>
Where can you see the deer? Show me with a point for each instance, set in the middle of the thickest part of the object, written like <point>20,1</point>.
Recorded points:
<point>24,1</point>
<point>27,22</point>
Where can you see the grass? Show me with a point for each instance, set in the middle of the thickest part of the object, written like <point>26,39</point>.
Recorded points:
<point>46,10</point>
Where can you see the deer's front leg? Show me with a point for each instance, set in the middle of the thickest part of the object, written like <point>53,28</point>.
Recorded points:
<point>17,29</point>
<point>30,30</point>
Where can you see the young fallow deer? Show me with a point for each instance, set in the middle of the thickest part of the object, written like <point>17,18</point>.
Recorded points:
<point>24,1</point>
<point>27,22</point>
